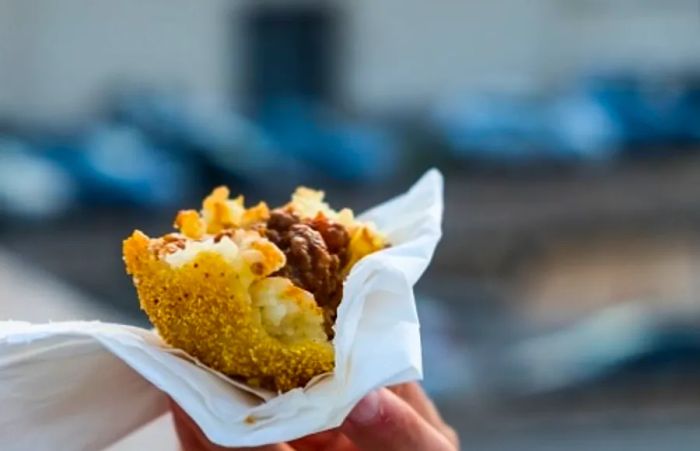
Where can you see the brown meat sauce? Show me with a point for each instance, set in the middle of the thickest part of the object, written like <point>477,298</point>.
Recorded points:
<point>316,251</point>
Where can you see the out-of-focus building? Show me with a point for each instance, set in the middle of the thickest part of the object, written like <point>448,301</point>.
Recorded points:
<point>58,58</point>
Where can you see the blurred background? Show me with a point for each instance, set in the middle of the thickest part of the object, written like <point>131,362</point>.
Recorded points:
<point>562,308</point>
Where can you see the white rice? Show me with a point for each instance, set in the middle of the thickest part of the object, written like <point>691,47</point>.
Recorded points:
<point>225,247</point>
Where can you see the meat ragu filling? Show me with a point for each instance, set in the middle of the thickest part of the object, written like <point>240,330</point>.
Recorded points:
<point>316,251</point>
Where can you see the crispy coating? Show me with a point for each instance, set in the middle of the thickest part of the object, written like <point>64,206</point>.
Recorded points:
<point>191,225</point>
<point>204,307</point>
<point>221,213</point>
<point>363,241</point>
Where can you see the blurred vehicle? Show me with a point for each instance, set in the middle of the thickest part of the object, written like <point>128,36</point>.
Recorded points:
<point>32,187</point>
<point>599,118</point>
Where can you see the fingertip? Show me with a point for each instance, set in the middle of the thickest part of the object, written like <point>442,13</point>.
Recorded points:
<point>374,418</point>
<point>383,421</point>
<point>367,410</point>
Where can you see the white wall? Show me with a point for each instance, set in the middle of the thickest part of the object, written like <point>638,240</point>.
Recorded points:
<point>13,39</point>
<point>63,54</point>
<point>408,51</point>
<point>650,34</point>
<point>57,57</point>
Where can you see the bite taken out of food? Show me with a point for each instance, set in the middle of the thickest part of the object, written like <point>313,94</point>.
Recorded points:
<point>252,292</point>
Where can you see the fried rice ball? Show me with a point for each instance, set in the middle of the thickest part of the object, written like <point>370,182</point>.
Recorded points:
<point>250,292</point>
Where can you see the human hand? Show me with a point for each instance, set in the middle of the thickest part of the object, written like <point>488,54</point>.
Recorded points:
<point>395,419</point>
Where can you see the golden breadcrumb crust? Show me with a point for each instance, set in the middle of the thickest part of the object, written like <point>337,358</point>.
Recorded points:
<point>204,308</point>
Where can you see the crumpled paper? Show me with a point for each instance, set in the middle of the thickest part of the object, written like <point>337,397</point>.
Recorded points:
<point>84,385</point>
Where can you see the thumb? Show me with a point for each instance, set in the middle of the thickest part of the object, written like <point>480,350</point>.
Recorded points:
<point>382,421</point>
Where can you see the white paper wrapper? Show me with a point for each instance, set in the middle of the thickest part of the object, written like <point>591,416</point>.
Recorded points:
<point>83,385</point>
